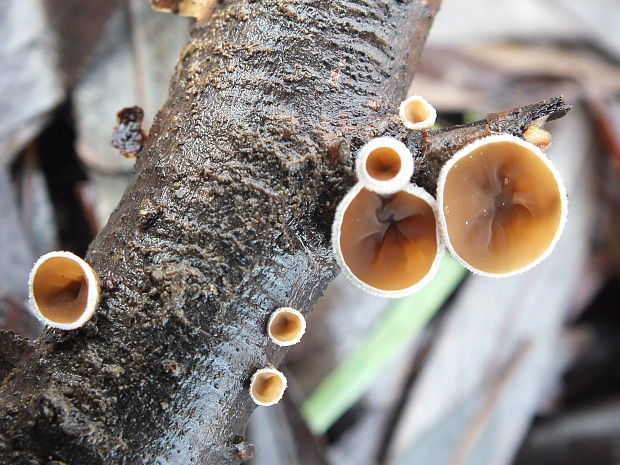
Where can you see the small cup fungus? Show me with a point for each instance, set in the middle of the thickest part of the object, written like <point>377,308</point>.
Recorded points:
<point>64,290</point>
<point>384,165</point>
<point>387,246</point>
<point>286,326</point>
<point>502,205</point>
<point>538,136</point>
<point>267,386</point>
<point>198,9</point>
<point>416,113</point>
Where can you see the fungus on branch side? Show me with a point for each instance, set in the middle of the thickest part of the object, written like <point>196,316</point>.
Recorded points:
<point>198,9</point>
<point>384,165</point>
<point>416,113</point>
<point>538,136</point>
<point>286,326</point>
<point>64,290</point>
<point>388,246</point>
<point>267,386</point>
<point>502,205</point>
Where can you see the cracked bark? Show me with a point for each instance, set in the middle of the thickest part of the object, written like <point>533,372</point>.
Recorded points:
<point>227,217</point>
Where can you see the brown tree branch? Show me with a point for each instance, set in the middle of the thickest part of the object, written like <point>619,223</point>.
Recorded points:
<point>227,217</point>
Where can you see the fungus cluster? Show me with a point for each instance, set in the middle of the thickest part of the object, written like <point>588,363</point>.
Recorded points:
<point>501,207</point>
<point>385,233</point>
<point>64,293</point>
<point>65,290</point>
<point>285,327</point>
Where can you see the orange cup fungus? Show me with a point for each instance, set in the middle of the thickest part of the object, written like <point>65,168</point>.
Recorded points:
<point>64,290</point>
<point>286,326</point>
<point>387,245</point>
<point>267,386</point>
<point>502,205</point>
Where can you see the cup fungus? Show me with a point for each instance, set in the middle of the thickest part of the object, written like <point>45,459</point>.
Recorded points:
<point>198,9</point>
<point>387,246</point>
<point>267,386</point>
<point>384,165</point>
<point>416,113</point>
<point>502,205</point>
<point>64,290</point>
<point>538,136</point>
<point>286,326</point>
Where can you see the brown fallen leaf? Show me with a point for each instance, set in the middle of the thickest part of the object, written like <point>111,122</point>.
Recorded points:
<point>128,136</point>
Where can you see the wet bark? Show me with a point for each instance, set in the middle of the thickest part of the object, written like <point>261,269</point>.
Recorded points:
<point>227,217</point>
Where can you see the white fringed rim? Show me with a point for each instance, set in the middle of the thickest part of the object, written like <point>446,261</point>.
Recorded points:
<point>396,183</point>
<point>286,312</point>
<point>428,117</point>
<point>441,182</point>
<point>93,290</point>
<point>337,225</point>
<point>263,376</point>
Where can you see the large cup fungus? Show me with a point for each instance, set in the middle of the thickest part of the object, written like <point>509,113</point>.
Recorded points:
<point>64,290</point>
<point>502,205</point>
<point>384,165</point>
<point>388,246</point>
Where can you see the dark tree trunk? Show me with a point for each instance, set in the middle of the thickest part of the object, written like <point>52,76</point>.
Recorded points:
<point>228,217</point>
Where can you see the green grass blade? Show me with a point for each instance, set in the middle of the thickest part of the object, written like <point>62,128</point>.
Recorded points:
<point>403,321</point>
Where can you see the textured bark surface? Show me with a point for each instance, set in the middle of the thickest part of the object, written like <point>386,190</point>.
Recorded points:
<point>228,217</point>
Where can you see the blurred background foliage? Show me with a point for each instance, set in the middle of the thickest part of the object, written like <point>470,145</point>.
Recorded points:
<point>471,370</point>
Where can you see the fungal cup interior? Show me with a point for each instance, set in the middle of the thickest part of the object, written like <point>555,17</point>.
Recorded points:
<point>383,163</point>
<point>60,290</point>
<point>285,326</point>
<point>267,387</point>
<point>389,243</point>
<point>416,111</point>
<point>502,206</point>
